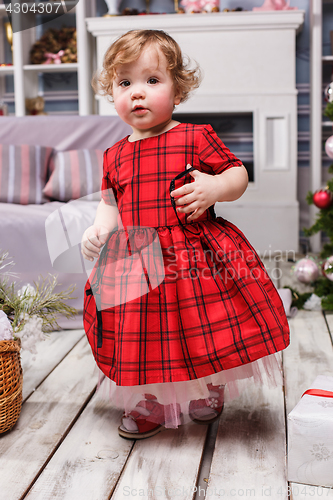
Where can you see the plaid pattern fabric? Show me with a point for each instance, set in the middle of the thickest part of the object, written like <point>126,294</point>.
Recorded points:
<point>216,307</point>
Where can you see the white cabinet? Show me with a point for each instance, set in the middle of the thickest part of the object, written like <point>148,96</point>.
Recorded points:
<point>26,75</point>
<point>316,104</point>
<point>251,70</point>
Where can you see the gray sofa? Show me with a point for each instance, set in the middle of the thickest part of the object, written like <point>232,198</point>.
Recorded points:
<point>22,227</point>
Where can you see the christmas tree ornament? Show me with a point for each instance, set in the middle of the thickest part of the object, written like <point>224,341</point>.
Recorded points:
<point>306,270</point>
<point>329,146</point>
<point>322,198</point>
<point>328,268</point>
<point>328,93</point>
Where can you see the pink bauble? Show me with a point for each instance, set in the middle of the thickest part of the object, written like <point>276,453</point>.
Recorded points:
<point>329,265</point>
<point>329,146</point>
<point>306,270</point>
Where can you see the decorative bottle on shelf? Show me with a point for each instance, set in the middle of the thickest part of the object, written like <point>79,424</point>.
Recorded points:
<point>113,7</point>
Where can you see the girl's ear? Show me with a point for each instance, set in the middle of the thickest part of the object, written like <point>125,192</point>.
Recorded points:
<point>178,94</point>
<point>176,100</point>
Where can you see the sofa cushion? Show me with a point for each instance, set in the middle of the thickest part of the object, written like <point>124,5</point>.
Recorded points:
<point>23,172</point>
<point>23,235</point>
<point>75,174</point>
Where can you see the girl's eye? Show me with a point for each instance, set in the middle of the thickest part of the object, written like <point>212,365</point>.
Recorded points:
<point>152,81</point>
<point>125,83</point>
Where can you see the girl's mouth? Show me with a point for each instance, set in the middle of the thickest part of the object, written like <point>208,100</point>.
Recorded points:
<point>139,110</point>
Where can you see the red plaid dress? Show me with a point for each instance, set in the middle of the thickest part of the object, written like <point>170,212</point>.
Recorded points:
<point>210,306</point>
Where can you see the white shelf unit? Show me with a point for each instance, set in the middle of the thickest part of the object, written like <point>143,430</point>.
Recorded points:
<point>26,75</point>
<point>317,59</point>
<point>6,70</point>
<point>51,68</point>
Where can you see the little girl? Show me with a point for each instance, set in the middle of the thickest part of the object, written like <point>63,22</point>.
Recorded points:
<point>178,303</point>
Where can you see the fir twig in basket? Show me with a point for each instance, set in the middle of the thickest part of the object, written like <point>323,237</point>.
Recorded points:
<point>31,311</point>
<point>6,266</point>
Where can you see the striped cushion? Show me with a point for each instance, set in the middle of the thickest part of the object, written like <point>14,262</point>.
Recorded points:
<point>75,174</point>
<point>23,171</point>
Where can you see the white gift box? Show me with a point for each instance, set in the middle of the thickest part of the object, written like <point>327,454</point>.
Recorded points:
<point>310,437</point>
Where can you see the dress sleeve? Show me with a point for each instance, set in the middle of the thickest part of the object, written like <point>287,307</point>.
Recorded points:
<point>108,190</point>
<point>214,156</point>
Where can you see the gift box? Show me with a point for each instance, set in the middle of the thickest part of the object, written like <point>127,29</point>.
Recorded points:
<point>310,436</point>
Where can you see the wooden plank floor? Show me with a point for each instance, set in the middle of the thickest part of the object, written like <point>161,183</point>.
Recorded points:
<point>65,444</point>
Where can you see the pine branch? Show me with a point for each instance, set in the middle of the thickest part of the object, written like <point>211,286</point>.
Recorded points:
<point>327,303</point>
<point>315,228</point>
<point>322,288</point>
<point>309,198</point>
<point>323,222</point>
<point>43,302</point>
<point>329,111</point>
<point>327,250</point>
<point>5,267</point>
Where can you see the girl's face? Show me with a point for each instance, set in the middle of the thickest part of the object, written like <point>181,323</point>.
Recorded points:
<point>144,94</point>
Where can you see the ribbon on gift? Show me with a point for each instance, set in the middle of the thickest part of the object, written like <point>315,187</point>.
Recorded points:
<point>319,392</point>
<point>54,58</point>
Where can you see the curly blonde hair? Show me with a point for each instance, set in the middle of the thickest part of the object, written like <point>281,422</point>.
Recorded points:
<point>128,48</point>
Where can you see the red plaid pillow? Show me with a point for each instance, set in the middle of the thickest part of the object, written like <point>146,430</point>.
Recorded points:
<point>23,172</point>
<point>75,174</point>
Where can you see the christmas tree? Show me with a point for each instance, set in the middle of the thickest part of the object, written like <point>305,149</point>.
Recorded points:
<point>323,200</point>
<point>323,286</point>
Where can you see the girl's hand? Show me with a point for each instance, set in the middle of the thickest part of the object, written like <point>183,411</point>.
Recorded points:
<point>207,189</point>
<point>197,196</point>
<point>92,240</point>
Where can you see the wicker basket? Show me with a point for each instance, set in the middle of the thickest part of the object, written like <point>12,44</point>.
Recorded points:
<point>11,382</point>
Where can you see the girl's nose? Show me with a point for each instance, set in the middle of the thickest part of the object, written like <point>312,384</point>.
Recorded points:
<point>137,93</point>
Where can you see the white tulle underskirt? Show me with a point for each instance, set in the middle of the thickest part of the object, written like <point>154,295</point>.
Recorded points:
<point>177,395</point>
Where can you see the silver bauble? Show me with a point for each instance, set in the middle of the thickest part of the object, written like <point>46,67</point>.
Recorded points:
<point>328,92</point>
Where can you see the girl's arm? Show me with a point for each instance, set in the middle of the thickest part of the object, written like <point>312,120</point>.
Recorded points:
<point>96,235</point>
<point>197,196</point>
<point>232,183</point>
